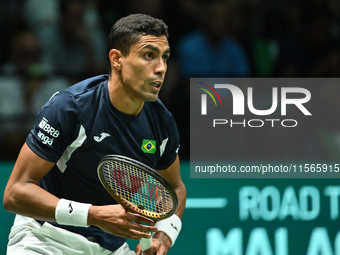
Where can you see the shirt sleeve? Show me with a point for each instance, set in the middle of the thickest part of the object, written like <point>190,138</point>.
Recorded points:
<point>55,127</point>
<point>169,147</point>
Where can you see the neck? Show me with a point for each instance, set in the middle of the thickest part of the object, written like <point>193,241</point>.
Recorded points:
<point>121,100</point>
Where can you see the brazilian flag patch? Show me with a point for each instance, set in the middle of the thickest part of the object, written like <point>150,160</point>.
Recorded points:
<point>149,146</point>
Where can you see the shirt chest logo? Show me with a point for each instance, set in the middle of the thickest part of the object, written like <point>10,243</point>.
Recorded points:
<point>148,146</point>
<point>100,138</point>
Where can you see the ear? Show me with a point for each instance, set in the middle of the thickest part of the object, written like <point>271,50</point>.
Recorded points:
<point>115,58</point>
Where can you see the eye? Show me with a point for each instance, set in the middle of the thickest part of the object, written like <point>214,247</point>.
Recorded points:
<point>165,57</point>
<point>148,55</point>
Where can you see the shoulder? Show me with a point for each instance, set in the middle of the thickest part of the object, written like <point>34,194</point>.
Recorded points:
<point>86,85</point>
<point>74,100</point>
<point>79,90</point>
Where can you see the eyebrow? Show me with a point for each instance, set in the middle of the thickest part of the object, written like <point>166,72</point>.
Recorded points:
<point>153,48</point>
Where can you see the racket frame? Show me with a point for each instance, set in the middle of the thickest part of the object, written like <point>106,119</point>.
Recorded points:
<point>143,167</point>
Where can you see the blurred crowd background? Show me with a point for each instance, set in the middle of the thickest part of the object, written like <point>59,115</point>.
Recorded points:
<point>48,45</point>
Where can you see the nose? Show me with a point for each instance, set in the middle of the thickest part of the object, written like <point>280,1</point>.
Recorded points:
<point>161,67</point>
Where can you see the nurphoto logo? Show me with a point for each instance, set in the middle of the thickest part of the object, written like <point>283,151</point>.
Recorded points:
<point>280,99</point>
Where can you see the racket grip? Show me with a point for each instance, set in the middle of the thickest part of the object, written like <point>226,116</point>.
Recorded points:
<point>145,243</point>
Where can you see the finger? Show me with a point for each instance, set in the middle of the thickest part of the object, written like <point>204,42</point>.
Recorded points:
<point>153,250</point>
<point>138,249</point>
<point>140,219</point>
<point>139,227</point>
<point>143,228</point>
<point>136,231</point>
<point>161,251</point>
<point>137,235</point>
<point>129,231</point>
<point>150,251</point>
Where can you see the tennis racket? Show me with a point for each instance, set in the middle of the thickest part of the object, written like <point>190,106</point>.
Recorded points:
<point>138,188</point>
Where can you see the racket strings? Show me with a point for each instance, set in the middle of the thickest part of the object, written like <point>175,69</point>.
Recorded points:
<point>137,187</point>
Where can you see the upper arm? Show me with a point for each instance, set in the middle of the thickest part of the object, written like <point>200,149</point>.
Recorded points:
<point>29,167</point>
<point>172,173</point>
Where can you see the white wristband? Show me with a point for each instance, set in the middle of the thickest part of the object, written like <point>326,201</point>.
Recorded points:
<point>72,213</point>
<point>170,226</point>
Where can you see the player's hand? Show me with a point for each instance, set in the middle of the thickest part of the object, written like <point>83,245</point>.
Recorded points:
<point>114,219</point>
<point>161,243</point>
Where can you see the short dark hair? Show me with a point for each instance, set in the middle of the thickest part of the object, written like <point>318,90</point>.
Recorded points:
<point>128,30</point>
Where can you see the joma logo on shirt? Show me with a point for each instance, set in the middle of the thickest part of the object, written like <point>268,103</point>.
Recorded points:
<point>48,128</point>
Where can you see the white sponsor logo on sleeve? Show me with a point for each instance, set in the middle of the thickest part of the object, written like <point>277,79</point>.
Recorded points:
<point>47,133</point>
<point>47,128</point>
<point>45,139</point>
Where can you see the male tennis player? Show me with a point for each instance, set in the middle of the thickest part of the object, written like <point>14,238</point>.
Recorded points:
<point>54,189</point>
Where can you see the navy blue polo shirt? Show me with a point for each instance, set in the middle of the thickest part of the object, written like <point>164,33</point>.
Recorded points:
<point>78,126</point>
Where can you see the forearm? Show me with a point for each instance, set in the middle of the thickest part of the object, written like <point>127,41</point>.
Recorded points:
<point>22,194</point>
<point>30,200</point>
<point>181,195</point>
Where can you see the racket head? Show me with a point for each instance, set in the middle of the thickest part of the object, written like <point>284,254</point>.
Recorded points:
<point>137,187</point>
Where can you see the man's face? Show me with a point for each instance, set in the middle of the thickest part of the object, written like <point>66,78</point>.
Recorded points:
<point>144,68</point>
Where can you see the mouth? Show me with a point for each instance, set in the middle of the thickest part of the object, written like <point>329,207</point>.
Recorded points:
<point>156,84</point>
